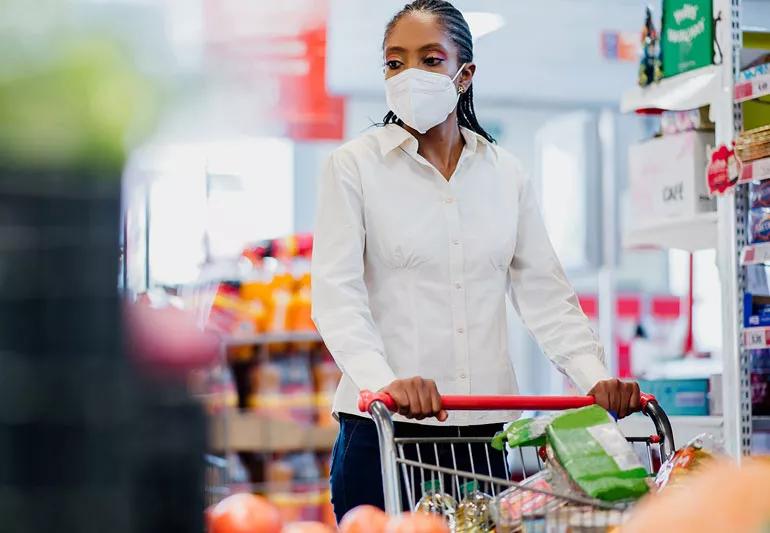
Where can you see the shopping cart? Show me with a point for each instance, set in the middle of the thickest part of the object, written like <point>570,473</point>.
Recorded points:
<point>550,507</point>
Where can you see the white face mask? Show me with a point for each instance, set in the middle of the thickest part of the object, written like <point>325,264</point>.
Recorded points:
<point>420,98</point>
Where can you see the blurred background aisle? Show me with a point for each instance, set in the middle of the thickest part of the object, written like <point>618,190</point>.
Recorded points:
<point>171,149</point>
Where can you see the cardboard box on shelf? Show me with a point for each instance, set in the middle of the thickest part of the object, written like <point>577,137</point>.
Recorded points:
<point>667,178</point>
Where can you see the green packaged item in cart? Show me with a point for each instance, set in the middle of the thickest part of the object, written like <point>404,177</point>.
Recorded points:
<point>589,445</point>
<point>523,432</point>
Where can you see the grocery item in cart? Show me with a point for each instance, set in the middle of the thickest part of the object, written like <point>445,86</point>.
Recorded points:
<point>525,503</point>
<point>589,445</point>
<point>583,519</point>
<point>435,502</point>
<point>523,432</point>
<point>561,481</point>
<point>473,512</point>
<point>690,458</point>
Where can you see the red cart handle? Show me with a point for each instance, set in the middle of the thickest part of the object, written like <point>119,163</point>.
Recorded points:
<point>493,403</point>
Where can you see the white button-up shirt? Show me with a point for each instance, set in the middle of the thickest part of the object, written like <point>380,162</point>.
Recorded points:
<point>410,273</point>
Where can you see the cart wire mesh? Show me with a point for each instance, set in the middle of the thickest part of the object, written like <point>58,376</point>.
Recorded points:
<point>513,502</point>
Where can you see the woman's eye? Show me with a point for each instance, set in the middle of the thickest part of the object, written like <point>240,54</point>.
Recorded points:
<point>433,61</point>
<point>393,64</point>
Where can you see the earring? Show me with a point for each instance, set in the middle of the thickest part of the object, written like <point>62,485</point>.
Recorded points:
<point>460,89</point>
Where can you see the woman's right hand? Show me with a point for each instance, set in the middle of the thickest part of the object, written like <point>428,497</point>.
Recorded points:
<point>416,398</point>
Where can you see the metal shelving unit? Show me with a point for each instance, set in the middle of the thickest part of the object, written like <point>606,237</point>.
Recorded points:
<point>733,210</point>
<point>247,431</point>
<point>715,86</point>
<point>273,338</point>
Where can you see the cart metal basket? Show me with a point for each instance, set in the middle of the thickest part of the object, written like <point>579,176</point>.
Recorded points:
<point>521,501</point>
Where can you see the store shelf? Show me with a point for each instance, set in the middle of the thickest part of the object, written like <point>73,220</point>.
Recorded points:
<point>758,170</point>
<point>761,423</point>
<point>695,233</point>
<point>753,88</point>
<point>254,432</point>
<point>756,254</point>
<point>273,338</point>
<point>756,338</point>
<point>690,90</point>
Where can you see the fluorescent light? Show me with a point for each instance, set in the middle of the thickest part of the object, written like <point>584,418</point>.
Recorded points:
<point>483,23</point>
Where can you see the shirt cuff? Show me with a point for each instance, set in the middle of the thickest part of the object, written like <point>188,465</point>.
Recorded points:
<point>369,371</point>
<point>586,371</point>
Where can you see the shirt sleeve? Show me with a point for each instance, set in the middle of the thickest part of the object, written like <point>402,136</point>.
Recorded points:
<point>547,303</point>
<point>340,301</point>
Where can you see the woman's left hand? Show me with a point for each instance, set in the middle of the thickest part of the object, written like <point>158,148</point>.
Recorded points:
<point>616,396</point>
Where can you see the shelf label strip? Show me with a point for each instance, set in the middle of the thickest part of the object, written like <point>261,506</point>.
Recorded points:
<point>755,88</point>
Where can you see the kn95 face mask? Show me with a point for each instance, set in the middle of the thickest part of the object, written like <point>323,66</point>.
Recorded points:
<point>420,98</point>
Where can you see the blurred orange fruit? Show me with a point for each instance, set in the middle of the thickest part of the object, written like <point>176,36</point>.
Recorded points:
<point>364,519</point>
<point>417,523</point>
<point>244,513</point>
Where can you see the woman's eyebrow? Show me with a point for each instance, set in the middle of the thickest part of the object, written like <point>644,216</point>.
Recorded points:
<point>433,46</point>
<point>395,50</point>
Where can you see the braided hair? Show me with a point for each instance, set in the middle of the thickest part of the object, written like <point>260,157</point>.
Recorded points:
<point>460,33</point>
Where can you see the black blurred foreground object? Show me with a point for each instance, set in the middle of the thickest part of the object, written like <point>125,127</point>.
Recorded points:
<point>86,444</point>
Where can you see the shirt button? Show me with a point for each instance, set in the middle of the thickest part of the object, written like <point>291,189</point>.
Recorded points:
<point>458,286</point>
<point>460,331</point>
<point>463,375</point>
<point>456,242</point>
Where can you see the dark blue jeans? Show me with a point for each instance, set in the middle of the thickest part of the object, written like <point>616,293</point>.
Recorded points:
<point>356,478</point>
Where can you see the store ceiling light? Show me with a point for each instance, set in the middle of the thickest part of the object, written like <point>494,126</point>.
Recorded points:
<point>483,23</point>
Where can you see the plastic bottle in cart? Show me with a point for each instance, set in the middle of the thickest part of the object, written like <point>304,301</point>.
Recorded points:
<point>435,502</point>
<point>473,514</point>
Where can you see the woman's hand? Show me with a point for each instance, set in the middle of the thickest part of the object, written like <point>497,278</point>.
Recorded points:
<point>617,396</point>
<point>416,398</point>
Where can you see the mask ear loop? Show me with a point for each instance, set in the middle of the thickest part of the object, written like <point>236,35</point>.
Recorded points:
<point>460,89</point>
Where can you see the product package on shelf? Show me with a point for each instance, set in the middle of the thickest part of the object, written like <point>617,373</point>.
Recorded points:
<point>672,122</point>
<point>680,397</point>
<point>687,35</point>
<point>759,195</point>
<point>760,382</point>
<point>295,486</point>
<point>759,225</point>
<point>666,178</point>
<point>326,377</point>
<point>283,388</point>
<point>753,144</point>
<point>761,67</point>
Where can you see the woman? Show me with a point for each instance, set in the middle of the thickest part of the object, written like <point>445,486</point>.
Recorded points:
<point>424,225</point>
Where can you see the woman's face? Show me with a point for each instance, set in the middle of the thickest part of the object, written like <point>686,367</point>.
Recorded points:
<point>419,41</point>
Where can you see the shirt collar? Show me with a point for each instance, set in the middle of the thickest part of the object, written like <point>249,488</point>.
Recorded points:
<point>392,136</point>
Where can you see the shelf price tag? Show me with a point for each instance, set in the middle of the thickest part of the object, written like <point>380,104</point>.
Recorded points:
<point>756,338</point>
<point>754,88</point>
<point>758,170</point>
